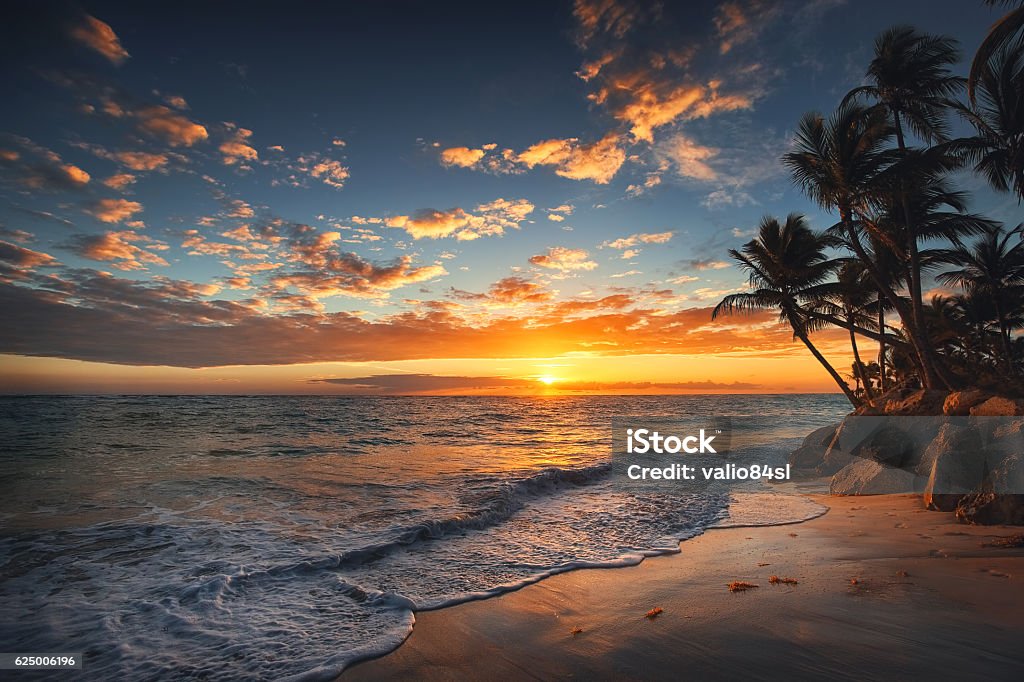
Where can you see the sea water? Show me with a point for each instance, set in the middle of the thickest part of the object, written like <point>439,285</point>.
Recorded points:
<point>279,537</point>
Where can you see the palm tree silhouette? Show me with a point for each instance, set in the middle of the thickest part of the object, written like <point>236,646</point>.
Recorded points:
<point>785,264</point>
<point>999,35</point>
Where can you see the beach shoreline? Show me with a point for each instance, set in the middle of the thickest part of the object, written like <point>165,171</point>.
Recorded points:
<point>885,589</point>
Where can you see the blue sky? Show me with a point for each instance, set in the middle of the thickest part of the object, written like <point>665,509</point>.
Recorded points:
<point>391,161</point>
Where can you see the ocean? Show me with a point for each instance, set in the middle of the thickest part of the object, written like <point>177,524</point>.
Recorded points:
<point>278,537</point>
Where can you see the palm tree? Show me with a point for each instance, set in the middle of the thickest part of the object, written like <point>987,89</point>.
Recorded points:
<point>992,268</point>
<point>785,264</point>
<point>851,297</point>
<point>910,78</point>
<point>997,151</point>
<point>837,163</point>
<point>999,36</point>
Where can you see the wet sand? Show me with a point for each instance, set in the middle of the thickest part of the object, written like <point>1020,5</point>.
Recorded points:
<point>886,590</point>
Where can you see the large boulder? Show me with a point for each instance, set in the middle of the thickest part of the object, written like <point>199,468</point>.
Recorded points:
<point>920,402</point>
<point>869,477</point>
<point>991,508</point>
<point>955,464</point>
<point>999,407</point>
<point>1001,498</point>
<point>959,404</point>
<point>812,451</point>
<point>888,444</point>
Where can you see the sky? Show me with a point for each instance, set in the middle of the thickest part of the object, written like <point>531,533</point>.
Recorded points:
<point>398,197</point>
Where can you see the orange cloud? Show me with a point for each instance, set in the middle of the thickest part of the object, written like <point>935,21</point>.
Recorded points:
<point>347,274</point>
<point>599,161</point>
<point>236,149</point>
<point>640,238</point>
<point>114,210</point>
<point>21,257</point>
<point>119,248</point>
<point>170,126</point>
<point>464,157</point>
<point>141,161</point>
<point>119,180</point>
<point>561,258</point>
<point>97,35</point>
<point>690,158</point>
<point>488,219</point>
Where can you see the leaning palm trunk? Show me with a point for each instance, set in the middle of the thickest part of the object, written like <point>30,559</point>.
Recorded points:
<point>861,372</point>
<point>881,345</point>
<point>850,395</point>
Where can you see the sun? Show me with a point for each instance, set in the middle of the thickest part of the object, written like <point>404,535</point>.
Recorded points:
<point>547,379</point>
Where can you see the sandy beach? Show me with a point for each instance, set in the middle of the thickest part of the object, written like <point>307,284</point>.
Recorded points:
<point>885,590</point>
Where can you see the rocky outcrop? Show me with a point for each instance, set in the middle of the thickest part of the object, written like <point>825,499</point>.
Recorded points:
<point>870,477</point>
<point>989,508</point>
<point>920,402</point>
<point>811,452</point>
<point>999,407</point>
<point>954,463</point>
<point>959,403</point>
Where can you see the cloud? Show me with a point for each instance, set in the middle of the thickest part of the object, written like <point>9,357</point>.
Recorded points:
<point>613,17</point>
<point>119,180</point>
<point>510,291</point>
<point>113,210</point>
<point>330,172</point>
<point>599,161</point>
<point>37,167</point>
<point>555,217</point>
<point>347,274</point>
<point>20,257</point>
<point>168,125</point>
<point>464,157</point>
<point>236,148</point>
<point>488,219</point>
<point>129,322</point>
<point>708,264</point>
<point>97,35</point>
<point>564,259</point>
<point>640,238</point>
<point>565,209</point>
<point>689,158</point>
<point>727,197</point>
<point>404,384</point>
<point>119,248</point>
<point>650,182</point>
<point>141,161</point>
<point>683,279</point>
<point>736,24</point>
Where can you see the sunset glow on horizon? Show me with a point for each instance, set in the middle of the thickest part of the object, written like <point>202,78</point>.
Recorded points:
<point>186,211</point>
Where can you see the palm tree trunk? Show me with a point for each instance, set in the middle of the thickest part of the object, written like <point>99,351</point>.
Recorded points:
<point>881,345</point>
<point>916,342</point>
<point>1004,336</point>
<point>861,372</point>
<point>931,376</point>
<point>834,374</point>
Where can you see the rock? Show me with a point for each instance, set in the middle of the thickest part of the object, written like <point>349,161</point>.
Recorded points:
<point>812,451</point>
<point>991,508</point>
<point>1001,499</point>
<point>920,402</point>
<point>868,477</point>
<point>999,407</point>
<point>959,404</point>
<point>955,463</point>
<point>888,444</point>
